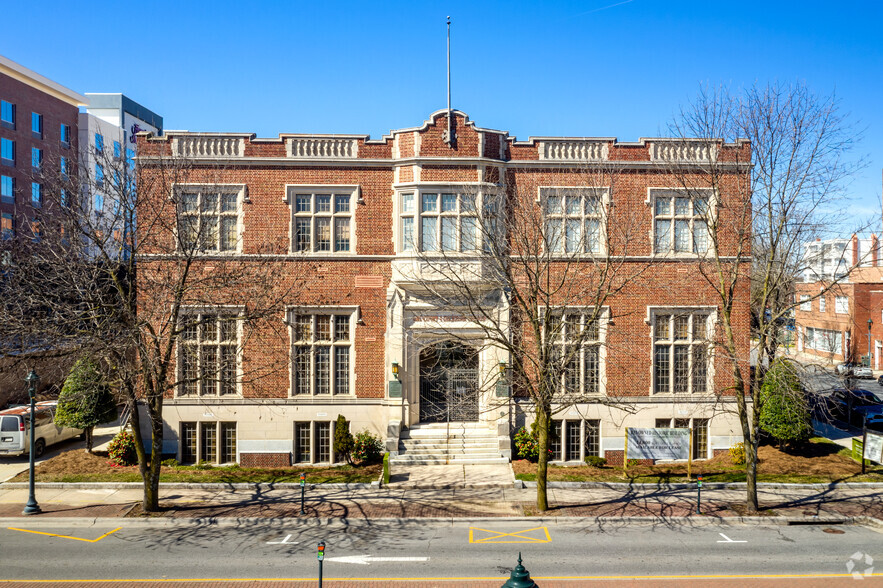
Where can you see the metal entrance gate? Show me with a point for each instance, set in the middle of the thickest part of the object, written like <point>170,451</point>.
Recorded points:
<point>448,383</point>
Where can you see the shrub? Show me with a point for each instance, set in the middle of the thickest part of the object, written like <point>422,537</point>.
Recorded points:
<point>737,453</point>
<point>85,400</point>
<point>527,443</point>
<point>784,412</point>
<point>595,461</point>
<point>367,448</point>
<point>343,440</point>
<point>122,449</point>
<point>170,463</point>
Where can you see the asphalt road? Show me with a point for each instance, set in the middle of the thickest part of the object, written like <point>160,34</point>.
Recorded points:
<point>428,550</point>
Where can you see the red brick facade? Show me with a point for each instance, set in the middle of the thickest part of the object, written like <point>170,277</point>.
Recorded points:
<point>364,278</point>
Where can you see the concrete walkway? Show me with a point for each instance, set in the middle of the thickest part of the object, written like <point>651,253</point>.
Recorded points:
<point>464,476</point>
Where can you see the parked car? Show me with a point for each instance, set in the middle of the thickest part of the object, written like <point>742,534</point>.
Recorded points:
<point>864,405</point>
<point>855,370</point>
<point>850,405</point>
<point>875,422</point>
<point>880,380</point>
<point>15,429</point>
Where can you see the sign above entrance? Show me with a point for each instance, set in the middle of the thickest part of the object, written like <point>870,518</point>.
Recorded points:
<point>667,444</point>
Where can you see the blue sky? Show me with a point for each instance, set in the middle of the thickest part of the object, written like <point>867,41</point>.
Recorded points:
<point>591,68</point>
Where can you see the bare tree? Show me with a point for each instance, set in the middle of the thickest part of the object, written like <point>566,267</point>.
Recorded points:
<point>133,261</point>
<point>525,275</point>
<point>797,151</point>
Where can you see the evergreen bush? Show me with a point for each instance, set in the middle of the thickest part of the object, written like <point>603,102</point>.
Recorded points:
<point>122,449</point>
<point>343,440</point>
<point>85,400</point>
<point>784,412</point>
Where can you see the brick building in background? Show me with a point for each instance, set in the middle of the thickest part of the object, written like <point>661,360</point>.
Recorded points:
<point>832,321</point>
<point>361,214</point>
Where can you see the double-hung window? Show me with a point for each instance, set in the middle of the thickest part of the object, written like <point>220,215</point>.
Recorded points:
<point>841,304</point>
<point>209,218</point>
<point>65,133</point>
<point>822,304</point>
<point>7,189</point>
<point>322,218</point>
<point>7,114</point>
<point>441,220</point>
<point>681,351</point>
<point>680,222</point>
<point>322,351</point>
<point>37,125</point>
<point>36,159</point>
<point>573,219</point>
<point>805,303</point>
<point>36,194</point>
<point>99,144</point>
<point>576,347</point>
<point>208,351</point>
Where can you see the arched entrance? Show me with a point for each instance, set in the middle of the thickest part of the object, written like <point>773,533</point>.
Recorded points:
<point>448,383</point>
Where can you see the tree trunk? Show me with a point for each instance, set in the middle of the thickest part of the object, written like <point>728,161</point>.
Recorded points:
<point>151,479</point>
<point>751,474</point>
<point>542,420</point>
<point>88,433</point>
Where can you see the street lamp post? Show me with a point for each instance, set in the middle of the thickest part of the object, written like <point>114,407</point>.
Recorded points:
<point>32,507</point>
<point>870,322</point>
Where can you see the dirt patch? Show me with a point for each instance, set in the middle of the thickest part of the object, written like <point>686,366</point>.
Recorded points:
<point>78,466</point>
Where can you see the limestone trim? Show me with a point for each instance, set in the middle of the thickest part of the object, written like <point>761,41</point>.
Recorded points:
<point>319,147</point>
<point>208,146</point>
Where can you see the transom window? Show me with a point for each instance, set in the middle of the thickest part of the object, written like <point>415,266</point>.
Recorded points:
<point>577,349</point>
<point>681,351</point>
<point>680,223</point>
<point>435,220</point>
<point>209,219</point>
<point>322,219</point>
<point>322,352</point>
<point>573,219</point>
<point>208,354</point>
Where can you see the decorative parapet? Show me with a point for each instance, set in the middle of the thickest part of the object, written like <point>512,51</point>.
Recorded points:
<point>574,150</point>
<point>697,151</point>
<point>208,146</point>
<point>322,148</point>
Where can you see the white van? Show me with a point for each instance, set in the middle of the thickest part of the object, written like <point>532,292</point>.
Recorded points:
<point>15,433</point>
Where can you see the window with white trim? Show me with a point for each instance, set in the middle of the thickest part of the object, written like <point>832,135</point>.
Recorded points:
<point>822,304</point>
<point>841,305</point>
<point>440,220</point>
<point>680,222</point>
<point>209,442</point>
<point>322,352</point>
<point>322,218</point>
<point>577,346</point>
<point>209,218</point>
<point>575,439</point>
<point>805,303</point>
<point>573,219</point>
<point>681,351</point>
<point>208,353</point>
<point>823,340</point>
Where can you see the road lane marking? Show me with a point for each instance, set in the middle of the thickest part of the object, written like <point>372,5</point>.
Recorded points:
<point>66,536</point>
<point>728,540</point>
<point>369,559</point>
<point>283,542</point>
<point>520,535</point>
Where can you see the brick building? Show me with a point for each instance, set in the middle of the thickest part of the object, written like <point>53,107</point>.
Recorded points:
<point>832,319</point>
<point>38,146</point>
<point>363,216</point>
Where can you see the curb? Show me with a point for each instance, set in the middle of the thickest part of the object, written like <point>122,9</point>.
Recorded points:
<point>706,485</point>
<point>144,522</point>
<point>185,486</point>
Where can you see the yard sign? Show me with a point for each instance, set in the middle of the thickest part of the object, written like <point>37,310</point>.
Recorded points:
<point>665,444</point>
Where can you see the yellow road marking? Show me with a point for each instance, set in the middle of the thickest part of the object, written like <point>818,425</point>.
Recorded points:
<point>497,535</point>
<point>451,579</point>
<point>66,536</point>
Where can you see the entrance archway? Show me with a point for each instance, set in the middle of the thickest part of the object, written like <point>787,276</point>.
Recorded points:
<point>448,383</point>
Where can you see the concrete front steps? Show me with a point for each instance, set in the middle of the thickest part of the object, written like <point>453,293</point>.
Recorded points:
<point>448,443</point>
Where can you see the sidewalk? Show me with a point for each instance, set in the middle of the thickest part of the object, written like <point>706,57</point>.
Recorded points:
<point>341,504</point>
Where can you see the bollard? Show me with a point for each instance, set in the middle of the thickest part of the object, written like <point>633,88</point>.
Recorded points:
<point>520,577</point>
<point>699,495</point>
<point>303,483</point>
<point>321,556</point>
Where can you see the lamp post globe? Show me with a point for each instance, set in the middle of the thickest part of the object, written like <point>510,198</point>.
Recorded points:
<point>32,507</point>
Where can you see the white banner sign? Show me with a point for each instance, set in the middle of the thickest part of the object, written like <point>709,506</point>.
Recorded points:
<point>658,443</point>
<point>873,448</point>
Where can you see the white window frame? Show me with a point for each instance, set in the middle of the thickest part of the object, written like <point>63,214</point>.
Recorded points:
<point>292,191</point>
<point>805,303</point>
<point>841,304</point>
<point>822,303</point>
<point>240,191</point>
<point>655,193</point>
<point>581,192</point>
<point>710,313</point>
<point>292,313</point>
<point>583,432</point>
<point>220,311</point>
<point>484,194</point>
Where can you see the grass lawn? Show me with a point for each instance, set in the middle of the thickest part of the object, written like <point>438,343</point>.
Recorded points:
<point>818,461</point>
<point>78,466</point>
